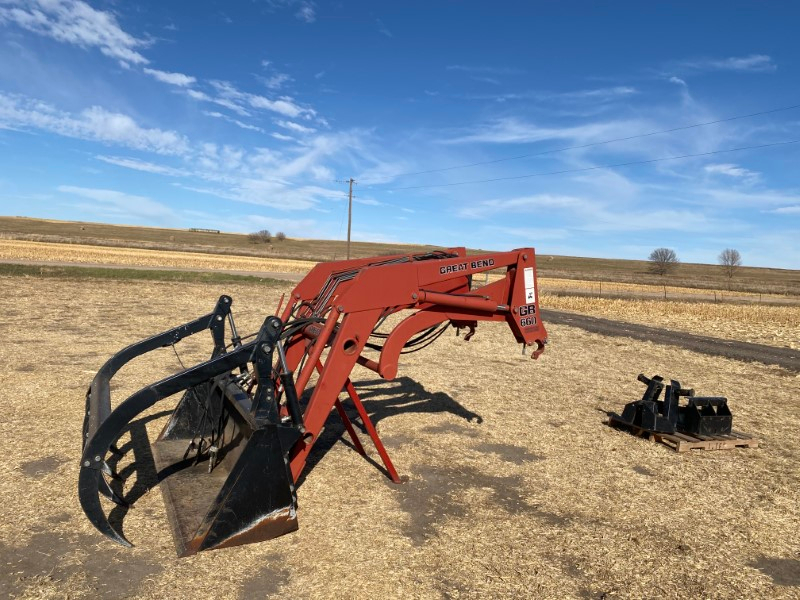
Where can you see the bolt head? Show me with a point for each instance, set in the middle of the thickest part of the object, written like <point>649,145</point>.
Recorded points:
<point>219,317</point>
<point>97,458</point>
<point>86,463</point>
<point>266,348</point>
<point>340,308</point>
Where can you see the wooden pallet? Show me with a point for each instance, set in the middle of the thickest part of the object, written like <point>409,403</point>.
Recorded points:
<point>682,442</point>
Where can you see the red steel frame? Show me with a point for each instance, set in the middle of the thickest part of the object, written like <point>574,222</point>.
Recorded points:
<point>354,296</point>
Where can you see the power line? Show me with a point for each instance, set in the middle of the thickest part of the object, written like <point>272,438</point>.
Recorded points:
<point>611,166</point>
<point>601,143</point>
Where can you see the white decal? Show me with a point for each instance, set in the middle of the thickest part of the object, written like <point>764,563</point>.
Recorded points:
<point>530,288</point>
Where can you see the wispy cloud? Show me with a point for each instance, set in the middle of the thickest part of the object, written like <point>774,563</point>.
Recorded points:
<point>513,130</point>
<point>383,29</point>
<point>594,95</point>
<point>787,210</point>
<point>485,69</point>
<point>734,171</point>
<point>178,79</point>
<point>276,81</point>
<point>292,126</point>
<point>121,203</point>
<point>240,101</point>
<point>141,165</point>
<point>94,123</point>
<point>305,10</point>
<point>753,63</point>
<point>282,137</point>
<point>75,22</point>
<point>237,122</point>
<point>593,215</point>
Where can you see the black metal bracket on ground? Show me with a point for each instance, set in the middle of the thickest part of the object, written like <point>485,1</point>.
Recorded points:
<point>699,416</point>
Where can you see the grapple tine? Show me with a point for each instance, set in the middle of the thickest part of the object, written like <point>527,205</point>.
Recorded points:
<point>89,484</point>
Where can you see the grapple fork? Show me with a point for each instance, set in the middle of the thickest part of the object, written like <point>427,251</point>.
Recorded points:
<point>233,448</point>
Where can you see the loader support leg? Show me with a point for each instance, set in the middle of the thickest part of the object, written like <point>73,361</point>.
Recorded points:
<point>373,433</point>
<point>348,424</point>
<point>362,412</point>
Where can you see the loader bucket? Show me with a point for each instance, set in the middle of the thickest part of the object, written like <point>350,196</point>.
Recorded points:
<point>222,456</point>
<point>707,416</point>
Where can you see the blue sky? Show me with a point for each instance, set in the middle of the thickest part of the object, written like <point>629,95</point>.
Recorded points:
<point>242,116</point>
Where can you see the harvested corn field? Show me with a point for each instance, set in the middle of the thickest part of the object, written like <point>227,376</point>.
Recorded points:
<point>516,487</point>
<point>758,324</point>
<point>77,254</point>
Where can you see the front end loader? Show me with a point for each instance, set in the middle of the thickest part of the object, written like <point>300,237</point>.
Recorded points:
<point>235,445</point>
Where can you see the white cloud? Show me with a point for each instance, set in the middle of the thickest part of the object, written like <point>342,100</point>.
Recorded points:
<point>306,12</point>
<point>530,233</point>
<point>753,63</point>
<point>787,210</point>
<point>178,79</point>
<point>383,29</point>
<point>276,81</point>
<point>677,81</point>
<point>292,126</point>
<point>281,137</point>
<point>75,22</point>
<point>121,203</point>
<point>594,95</point>
<point>141,165</point>
<point>511,130</point>
<point>485,69</point>
<point>237,122</point>
<point>236,100</point>
<point>94,123</point>
<point>733,171</point>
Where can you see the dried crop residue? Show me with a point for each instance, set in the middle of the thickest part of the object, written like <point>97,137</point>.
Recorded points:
<point>516,488</point>
<point>79,254</point>
<point>759,324</point>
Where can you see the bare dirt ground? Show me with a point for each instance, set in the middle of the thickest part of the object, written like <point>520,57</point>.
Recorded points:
<point>516,487</point>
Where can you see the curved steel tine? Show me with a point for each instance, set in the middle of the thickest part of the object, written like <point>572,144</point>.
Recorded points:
<point>104,488</point>
<point>88,486</point>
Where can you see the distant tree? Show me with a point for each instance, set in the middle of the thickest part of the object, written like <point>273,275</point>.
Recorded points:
<point>663,261</point>
<point>730,260</point>
<point>280,236</point>
<point>260,237</point>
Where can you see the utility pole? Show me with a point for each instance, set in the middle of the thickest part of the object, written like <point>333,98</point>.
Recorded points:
<point>349,215</point>
<point>351,181</point>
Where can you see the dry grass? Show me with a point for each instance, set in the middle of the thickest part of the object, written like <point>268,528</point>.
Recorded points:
<point>616,288</point>
<point>76,254</point>
<point>756,323</point>
<point>539,500</point>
